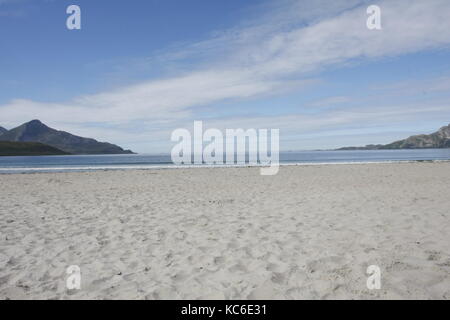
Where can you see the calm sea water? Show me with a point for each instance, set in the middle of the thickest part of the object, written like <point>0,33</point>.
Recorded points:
<point>99,162</point>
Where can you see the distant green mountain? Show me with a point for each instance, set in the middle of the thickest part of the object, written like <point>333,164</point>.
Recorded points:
<point>36,131</point>
<point>12,148</point>
<point>438,139</point>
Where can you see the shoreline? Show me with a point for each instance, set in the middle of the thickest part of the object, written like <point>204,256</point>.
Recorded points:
<point>8,170</point>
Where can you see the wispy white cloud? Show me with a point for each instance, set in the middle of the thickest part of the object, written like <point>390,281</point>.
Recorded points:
<point>433,85</point>
<point>273,54</point>
<point>330,101</point>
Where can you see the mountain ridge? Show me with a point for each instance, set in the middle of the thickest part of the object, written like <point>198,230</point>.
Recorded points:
<point>14,148</point>
<point>36,131</point>
<point>439,140</point>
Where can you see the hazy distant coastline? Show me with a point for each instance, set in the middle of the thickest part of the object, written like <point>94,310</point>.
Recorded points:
<point>438,139</point>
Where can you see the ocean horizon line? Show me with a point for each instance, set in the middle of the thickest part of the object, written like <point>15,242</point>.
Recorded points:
<point>10,170</point>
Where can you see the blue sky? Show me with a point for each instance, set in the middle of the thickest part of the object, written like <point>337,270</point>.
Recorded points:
<point>139,69</point>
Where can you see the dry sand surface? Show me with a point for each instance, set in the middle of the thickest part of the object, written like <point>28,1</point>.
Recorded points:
<point>228,233</point>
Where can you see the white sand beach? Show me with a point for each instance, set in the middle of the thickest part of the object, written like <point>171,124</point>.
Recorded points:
<point>308,232</point>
